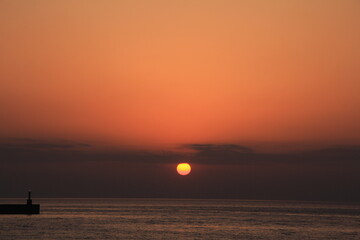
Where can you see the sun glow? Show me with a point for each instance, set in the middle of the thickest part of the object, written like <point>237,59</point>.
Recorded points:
<point>183,168</point>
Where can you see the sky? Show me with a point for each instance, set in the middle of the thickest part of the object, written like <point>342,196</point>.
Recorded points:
<point>104,98</point>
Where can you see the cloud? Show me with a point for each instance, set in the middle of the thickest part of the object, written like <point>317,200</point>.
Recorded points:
<point>220,170</point>
<point>238,154</point>
<point>29,143</point>
<point>219,153</point>
<point>33,150</point>
<point>349,151</point>
<point>207,154</point>
<point>219,147</point>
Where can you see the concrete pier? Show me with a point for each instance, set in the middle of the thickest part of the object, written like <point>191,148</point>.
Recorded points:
<point>27,208</point>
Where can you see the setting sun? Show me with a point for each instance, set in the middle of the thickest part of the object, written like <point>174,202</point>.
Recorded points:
<point>183,169</point>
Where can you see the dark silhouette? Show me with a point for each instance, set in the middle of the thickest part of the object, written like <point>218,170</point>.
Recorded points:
<point>29,201</point>
<point>27,208</point>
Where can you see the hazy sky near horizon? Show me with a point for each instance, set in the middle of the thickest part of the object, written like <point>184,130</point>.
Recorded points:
<point>104,98</point>
<point>176,72</point>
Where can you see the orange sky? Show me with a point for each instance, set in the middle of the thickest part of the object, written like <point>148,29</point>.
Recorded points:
<point>171,72</point>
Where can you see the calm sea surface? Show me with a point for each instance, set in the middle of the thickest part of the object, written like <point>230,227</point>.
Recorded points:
<point>182,219</point>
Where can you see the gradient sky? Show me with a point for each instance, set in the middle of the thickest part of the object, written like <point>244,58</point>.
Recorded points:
<point>118,82</point>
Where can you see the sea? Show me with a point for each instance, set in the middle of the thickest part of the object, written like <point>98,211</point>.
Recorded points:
<point>118,218</point>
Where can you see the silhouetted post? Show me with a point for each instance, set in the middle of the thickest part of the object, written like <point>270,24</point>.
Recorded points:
<point>29,201</point>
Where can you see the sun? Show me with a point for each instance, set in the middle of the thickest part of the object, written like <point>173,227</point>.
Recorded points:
<point>183,168</point>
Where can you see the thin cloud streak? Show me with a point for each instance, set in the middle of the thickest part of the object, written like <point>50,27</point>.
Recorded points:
<point>40,150</point>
